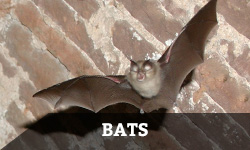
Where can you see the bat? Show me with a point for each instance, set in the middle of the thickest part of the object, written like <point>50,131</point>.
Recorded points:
<point>149,85</point>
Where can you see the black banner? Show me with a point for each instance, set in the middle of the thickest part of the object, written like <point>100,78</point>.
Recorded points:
<point>85,130</point>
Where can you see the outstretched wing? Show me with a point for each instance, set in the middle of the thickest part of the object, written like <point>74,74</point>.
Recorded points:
<point>91,92</point>
<point>186,52</point>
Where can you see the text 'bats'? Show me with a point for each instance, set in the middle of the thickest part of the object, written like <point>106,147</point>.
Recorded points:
<point>149,85</point>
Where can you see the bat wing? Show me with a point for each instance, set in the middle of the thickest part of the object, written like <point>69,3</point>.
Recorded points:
<point>186,52</point>
<point>91,92</point>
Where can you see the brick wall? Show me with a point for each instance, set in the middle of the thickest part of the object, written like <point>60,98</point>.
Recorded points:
<point>43,42</point>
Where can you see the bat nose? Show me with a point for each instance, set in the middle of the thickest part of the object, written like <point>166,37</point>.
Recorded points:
<point>140,76</point>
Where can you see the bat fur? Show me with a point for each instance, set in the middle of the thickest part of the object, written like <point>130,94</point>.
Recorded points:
<point>145,77</point>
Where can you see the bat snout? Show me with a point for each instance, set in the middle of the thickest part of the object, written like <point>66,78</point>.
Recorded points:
<point>140,76</point>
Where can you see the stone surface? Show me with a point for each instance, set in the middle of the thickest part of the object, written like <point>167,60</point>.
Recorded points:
<point>153,18</point>
<point>85,8</point>
<point>5,7</point>
<point>130,42</point>
<point>44,42</point>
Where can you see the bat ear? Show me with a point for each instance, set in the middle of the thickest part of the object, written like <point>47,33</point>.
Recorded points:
<point>166,56</point>
<point>147,62</point>
<point>132,63</point>
<point>133,66</point>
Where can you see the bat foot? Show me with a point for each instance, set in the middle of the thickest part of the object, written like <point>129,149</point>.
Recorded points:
<point>141,111</point>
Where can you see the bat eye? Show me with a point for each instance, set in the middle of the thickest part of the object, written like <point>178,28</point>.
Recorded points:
<point>147,67</point>
<point>134,68</point>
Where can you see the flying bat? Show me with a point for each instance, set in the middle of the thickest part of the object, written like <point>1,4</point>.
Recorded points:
<point>149,85</point>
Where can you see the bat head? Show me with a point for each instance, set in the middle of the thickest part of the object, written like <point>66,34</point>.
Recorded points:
<point>145,77</point>
<point>142,70</point>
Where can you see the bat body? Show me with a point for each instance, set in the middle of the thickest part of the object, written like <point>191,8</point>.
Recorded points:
<point>145,78</point>
<point>149,85</point>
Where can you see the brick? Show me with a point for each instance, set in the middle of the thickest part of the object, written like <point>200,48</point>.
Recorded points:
<point>160,140</point>
<point>42,69</point>
<point>236,13</point>
<point>85,8</point>
<point>64,17</point>
<point>241,62</point>
<point>8,69</point>
<point>228,135</point>
<point>31,140</point>
<point>174,10</point>
<point>179,126</point>
<point>153,19</point>
<point>224,89</point>
<point>37,107</point>
<point>55,42</point>
<point>5,7</point>
<point>15,117</point>
<point>240,119</point>
<point>130,42</point>
<point>75,30</point>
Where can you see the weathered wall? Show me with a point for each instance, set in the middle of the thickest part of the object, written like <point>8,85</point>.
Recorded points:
<point>43,42</point>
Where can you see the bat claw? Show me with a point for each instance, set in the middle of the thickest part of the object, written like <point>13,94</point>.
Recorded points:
<point>141,111</point>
